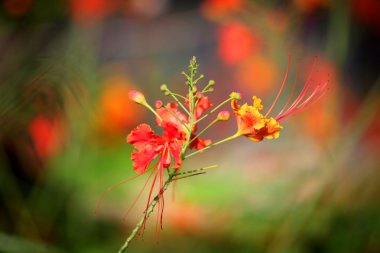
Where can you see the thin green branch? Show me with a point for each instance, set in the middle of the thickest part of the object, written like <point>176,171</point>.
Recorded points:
<point>213,110</point>
<point>204,130</point>
<point>146,215</point>
<point>214,144</point>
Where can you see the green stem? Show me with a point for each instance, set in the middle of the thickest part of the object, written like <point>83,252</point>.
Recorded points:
<point>172,176</point>
<point>190,82</point>
<point>213,110</point>
<point>196,171</point>
<point>204,130</point>
<point>178,95</point>
<point>148,212</point>
<point>152,110</point>
<point>173,95</point>
<point>214,144</point>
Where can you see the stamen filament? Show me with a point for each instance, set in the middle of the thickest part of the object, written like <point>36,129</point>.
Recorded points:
<point>213,110</point>
<point>281,88</point>
<point>291,93</point>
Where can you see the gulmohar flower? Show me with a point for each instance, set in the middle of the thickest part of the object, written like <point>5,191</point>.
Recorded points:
<point>148,146</point>
<point>252,124</point>
<point>256,126</point>
<point>156,154</point>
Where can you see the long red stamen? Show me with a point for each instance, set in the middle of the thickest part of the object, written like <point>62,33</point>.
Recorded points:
<point>281,88</point>
<point>139,194</point>
<point>312,98</point>
<point>291,92</point>
<point>110,189</point>
<point>302,100</point>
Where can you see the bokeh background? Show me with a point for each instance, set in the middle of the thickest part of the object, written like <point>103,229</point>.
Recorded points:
<point>65,71</point>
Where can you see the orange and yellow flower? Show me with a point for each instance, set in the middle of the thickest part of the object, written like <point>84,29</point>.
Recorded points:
<point>252,124</point>
<point>256,126</point>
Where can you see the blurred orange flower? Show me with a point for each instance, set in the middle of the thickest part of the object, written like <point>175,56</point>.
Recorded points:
<point>117,112</point>
<point>186,218</point>
<point>214,9</point>
<point>236,42</point>
<point>258,75</point>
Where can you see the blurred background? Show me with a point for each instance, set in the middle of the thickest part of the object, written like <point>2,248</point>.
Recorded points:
<point>65,71</point>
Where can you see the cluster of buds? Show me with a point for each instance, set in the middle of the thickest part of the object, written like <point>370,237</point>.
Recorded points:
<point>162,156</point>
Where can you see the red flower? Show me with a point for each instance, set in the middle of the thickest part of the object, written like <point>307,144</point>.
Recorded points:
<point>177,123</point>
<point>171,117</point>
<point>202,103</point>
<point>168,148</point>
<point>149,145</point>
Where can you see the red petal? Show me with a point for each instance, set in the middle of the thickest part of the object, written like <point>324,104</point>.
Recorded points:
<point>141,136</point>
<point>171,116</point>
<point>165,157</point>
<point>199,143</point>
<point>203,103</point>
<point>141,159</point>
<point>175,150</point>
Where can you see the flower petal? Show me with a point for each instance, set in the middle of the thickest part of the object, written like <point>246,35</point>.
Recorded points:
<point>203,103</point>
<point>141,136</point>
<point>199,143</point>
<point>175,150</point>
<point>142,158</point>
<point>171,116</point>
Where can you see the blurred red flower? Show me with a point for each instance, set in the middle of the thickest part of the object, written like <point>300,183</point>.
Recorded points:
<point>214,9</point>
<point>17,8</point>
<point>83,11</point>
<point>48,135</point>
<point>368,11</point>
<point>310,5</point>
<point>236,42</point>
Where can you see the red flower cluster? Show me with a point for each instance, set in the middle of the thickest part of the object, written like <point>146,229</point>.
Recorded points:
<point>178,134</point>
<point>170,145</point>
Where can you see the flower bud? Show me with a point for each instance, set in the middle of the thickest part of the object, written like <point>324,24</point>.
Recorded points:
<point>224,115</point>
<point>137,97</point>
<point>158,104</point>
<point>164,87</point>
<point>235,95</point>
<point>211,83</point>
